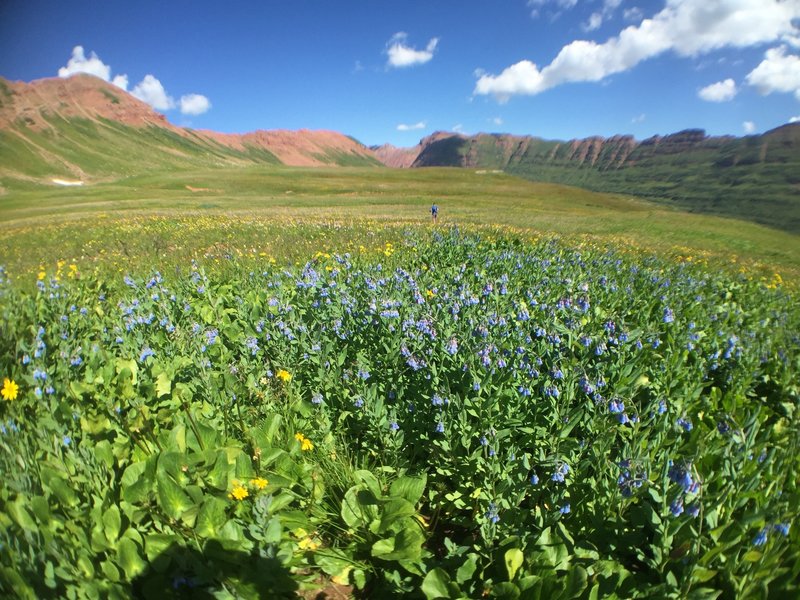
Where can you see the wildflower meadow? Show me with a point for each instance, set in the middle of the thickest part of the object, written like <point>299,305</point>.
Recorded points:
<point>448,415</point>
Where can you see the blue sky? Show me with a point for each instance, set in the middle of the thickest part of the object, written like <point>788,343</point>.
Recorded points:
<point>396,71</point>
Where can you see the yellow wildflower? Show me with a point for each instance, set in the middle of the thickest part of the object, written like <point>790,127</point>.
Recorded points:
<point>430,293</point>
<point>42,274</point>
<point>10,389</point>
<point>308,544</point>
<point>284,375</point>
<point>305,443</point>
<point>260,483</point>
<point>239,492</point>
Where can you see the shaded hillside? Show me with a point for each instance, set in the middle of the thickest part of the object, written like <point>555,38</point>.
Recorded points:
<point>85,128</point>
<point>755,177</point>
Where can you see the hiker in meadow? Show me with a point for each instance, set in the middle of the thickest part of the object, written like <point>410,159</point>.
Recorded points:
<point>434,213</point>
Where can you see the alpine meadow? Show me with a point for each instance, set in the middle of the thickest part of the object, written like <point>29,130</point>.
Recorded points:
<point>263,365</point>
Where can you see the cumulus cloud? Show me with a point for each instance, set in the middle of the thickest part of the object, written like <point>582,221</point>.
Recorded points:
<point>402,55</point>
<point>794,119</point>
<point>749,126</point>
<point>685,27</point>
<point>151,91</point>
<point>778,72</point>
<point>78,63</point>
<point>404,127</point>
<point>722,91</point>
<point>194,104</point>
<point>554,7</point>
<point>596,19</point>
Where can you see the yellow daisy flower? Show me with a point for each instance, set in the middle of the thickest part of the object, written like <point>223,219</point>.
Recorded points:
<point>10,389</point>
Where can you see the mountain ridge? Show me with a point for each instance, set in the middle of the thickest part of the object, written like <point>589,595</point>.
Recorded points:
<point>55,121</point>
<point>755,177</point>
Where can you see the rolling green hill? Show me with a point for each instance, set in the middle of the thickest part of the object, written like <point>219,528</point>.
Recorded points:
<point>755,178</point>
<point>86,129</point>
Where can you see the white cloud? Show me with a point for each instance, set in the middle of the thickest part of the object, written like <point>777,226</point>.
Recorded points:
<point>686,27</point>
<point>722,91</point>
<point>497,121</point>
<point>596,19</point>
<point>633,13</point>
<point>794,119</point>
<point>638,118</point>
<point>404,127</point>
<point>121,81</point>
<point>594,22</point>
<point>151,91</point>
<point>749,126</point>
<point>78,63</point>
<point>402,55</point>
<point>458,127</point>
<point>778,72</point>
<point>194,104</point>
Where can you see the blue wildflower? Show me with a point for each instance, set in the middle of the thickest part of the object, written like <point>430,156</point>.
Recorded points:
<point>316,398</point>
<point>534,479</point>
<point>676,508</point>
<point>782,528</point>
<point>761,538</point>
<point>146,352</point>
<point>565,509</point>
<point>440,427</point>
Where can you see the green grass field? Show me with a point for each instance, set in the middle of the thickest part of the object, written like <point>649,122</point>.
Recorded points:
<point>277,382</point>
<point>42,223</point>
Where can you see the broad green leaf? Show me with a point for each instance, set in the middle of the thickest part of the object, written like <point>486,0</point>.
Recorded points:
<point>577,580</point>
<point>112,523</point>
<point>163,385</point>
<point>129,559</point>
<point>138,480</point>
<point>436,584</point>
<point>467,569</point>
<point>513,560</point>
<point>104,453</point>
<point>171,497</point>
<point>18,511</point>
<point>211,518</point>
<point>410,488</point>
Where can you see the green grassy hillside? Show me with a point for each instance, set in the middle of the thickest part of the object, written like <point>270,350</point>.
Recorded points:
<point>72,222</point>
<point>754,178</point>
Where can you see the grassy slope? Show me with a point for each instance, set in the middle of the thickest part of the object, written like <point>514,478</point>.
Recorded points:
<point>385,195</point>
<point>104,149</point>
<point>754,178</point>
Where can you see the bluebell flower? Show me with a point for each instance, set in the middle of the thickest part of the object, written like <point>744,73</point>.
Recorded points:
<point>66,440</point>
<point>616,407</point>
<point>534,479</point>
<point>394,426</point>
<point>146,352</point>
<point>782,528</point>
<point>662,407</point>
<point>761,538</point>
<point>440,427</point>
<point>681,475</point>
<point>685,423</point>
<point>693,510</point>
<point>316,398</point>
<point>676,508</point>
<point>565,509</point>
<point>358,402</point>
<point>669,316</point>
<point>491,513</point>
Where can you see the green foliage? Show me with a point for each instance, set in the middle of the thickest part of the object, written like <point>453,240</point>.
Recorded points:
<point>444,416</point>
